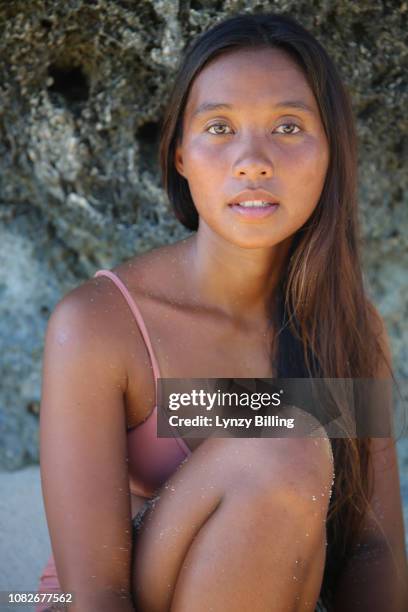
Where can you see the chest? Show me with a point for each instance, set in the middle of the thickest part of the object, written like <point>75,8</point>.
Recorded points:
<point>189,346</point>
<point>195,345</point>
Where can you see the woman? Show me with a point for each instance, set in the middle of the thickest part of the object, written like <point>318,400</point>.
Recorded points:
<point>258,159</point>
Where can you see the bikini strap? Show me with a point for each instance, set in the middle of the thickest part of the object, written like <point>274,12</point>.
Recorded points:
<point>137,314</point>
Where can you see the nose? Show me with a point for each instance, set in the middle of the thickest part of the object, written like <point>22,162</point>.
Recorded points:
<point>253,161</point>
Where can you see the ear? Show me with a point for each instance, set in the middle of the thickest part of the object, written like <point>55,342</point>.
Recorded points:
<point>178,159</point>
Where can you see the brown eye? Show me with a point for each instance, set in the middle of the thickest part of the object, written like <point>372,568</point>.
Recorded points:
<point>289,125</point>
<point>217,125</point>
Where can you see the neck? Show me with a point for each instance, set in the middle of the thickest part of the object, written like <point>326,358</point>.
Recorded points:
<point>240,282</point>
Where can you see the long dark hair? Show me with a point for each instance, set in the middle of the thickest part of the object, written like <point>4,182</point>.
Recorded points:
<point>327,325</point>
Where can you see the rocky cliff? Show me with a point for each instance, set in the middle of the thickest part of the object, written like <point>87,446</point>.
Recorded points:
<point>82,90</point>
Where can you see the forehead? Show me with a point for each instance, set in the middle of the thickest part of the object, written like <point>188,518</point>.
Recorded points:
<point>250,76</point>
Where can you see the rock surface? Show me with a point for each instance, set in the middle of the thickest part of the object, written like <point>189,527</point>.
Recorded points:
<point>82,90</point>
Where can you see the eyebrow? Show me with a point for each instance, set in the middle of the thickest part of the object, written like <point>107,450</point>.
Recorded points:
<point>206,107</point>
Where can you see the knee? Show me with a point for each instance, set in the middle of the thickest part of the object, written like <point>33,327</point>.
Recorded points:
<point>295,473</point>
<point>299,471</point>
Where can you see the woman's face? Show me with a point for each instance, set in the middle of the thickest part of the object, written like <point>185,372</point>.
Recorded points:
<point>252,123</point>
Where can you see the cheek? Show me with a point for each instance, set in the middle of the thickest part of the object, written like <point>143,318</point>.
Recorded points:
<point>307,167</point>
<point>305,172</point>
<point>206,168</point>
<point>202,156</point>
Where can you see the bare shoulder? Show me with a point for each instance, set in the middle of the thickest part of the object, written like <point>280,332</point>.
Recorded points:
<point>98,307</point>
<point>156,273</point>
<point>87,316</point>
<point>94,319</point>
<point>92,325</point>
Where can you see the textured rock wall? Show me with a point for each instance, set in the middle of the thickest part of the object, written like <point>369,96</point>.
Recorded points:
<point>82,89</point>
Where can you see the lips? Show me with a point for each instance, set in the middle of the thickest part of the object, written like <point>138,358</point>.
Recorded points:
<point>253,194</point>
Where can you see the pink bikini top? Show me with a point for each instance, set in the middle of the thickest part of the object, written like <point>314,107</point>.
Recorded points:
<point>152,460</point>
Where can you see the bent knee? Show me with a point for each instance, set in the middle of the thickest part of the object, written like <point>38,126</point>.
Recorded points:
<point>297,471</point>
<point>310,472</point>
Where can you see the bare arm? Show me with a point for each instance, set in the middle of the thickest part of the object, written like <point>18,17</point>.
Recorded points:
<point>83,455</point>
<point>376,577</point>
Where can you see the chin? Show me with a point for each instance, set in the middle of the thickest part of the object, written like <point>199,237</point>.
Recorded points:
<point>246,236</point>
<point>249,241</point>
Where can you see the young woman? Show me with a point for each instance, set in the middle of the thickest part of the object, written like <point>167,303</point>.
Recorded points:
<point>258,154</point>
